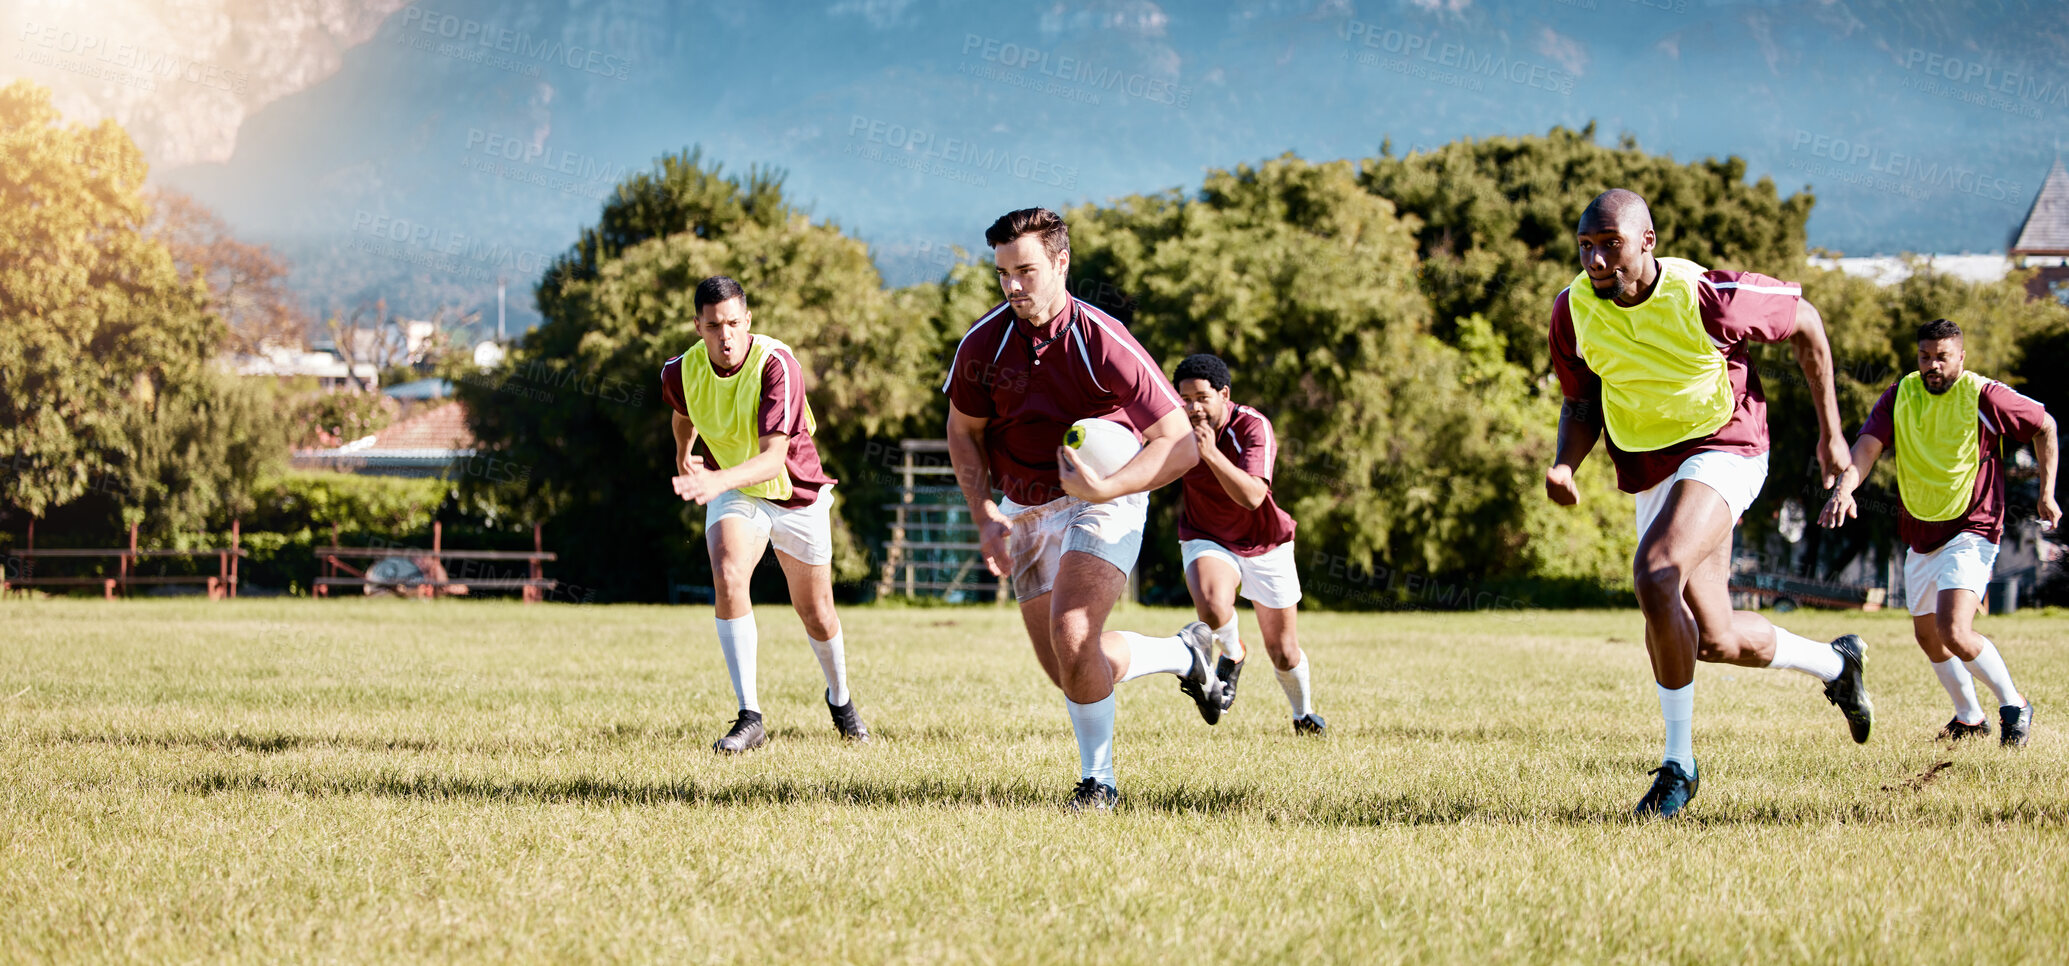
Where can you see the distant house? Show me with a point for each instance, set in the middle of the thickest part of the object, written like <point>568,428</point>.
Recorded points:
<point>433,442</point>
<point>2042,241</point>
<point>325,366</point>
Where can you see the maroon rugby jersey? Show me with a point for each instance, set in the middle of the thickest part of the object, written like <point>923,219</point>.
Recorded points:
<point>782,410</point>
<point>1738,309</point>
<point>2002,411</point>
<point>1031,382</point>
<point>1209,513</point>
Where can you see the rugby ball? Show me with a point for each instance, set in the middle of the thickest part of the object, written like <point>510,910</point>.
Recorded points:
<point>1102,444</point>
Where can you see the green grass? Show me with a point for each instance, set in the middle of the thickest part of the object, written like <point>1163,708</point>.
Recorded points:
<point>274,781</point>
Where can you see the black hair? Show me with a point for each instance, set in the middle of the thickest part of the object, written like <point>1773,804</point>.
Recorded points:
<point>1030,221</point>
<point>1202,366</point>
<point>1938,329</point>
<point>719,288</point>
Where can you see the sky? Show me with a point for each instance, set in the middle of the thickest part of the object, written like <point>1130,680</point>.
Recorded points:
<point>420,152</point>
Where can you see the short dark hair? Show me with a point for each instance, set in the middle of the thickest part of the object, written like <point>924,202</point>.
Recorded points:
<point>1030,221</point>
<point>1938,329</point>
<point>719,288</point>
<point>1202,366</point>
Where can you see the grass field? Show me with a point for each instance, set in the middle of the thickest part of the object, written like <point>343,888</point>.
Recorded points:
<point>274,781</point>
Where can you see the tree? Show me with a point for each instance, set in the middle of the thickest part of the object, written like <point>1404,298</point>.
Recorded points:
<point>1496,219</point>
<point>108,393</point>
<point>578,404</point>
<point>247,283</point>
<point>1400,454</point>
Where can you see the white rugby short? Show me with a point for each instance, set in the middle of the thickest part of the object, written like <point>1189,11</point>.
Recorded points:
<point>805,532</point>
<point>1735,478</point>
<point>1269,579</point>
<point>1041,534</point>
<point>1963,563</point>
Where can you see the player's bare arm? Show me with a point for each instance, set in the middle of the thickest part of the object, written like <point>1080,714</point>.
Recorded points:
<point>1841,508</point>
<point>703,484</point>
<point>685,439</point>
<point>2044,450</point>
<point>1161,461</point>
<point>1814,357</point>
<point>1579,426</point>
<point>973,475</point>
<point>1248,491</point>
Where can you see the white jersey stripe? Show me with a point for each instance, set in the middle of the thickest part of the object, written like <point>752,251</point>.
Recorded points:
<point>792,370</point>
<point>1763,289</point>
<point>1086,354</point>
<point>1127,343</point>
<point>957,357</point>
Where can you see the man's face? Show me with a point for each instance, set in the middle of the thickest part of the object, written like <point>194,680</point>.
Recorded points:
<point>1613,256</point>
<point>724,328</point>
<point>1939,363</point>
<point>1031,280</point>
<point>1203,402</point>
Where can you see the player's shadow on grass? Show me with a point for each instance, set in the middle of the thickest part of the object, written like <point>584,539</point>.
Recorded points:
<point>1433,809</point>
<point>258,742</point>
<point>747,791</point>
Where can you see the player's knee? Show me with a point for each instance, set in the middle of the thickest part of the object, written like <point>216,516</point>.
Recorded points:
<point>1659,581</point>
<point>1962,642</point>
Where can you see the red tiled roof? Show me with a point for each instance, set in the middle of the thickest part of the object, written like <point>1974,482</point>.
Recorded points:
<point>2046,230</point>
<point>441,427</point>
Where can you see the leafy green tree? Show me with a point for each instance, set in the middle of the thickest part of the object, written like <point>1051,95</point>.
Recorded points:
<point>578,404</point>
<point>1496,219</point>
<point>1400,454</point>
<point>109,400</point>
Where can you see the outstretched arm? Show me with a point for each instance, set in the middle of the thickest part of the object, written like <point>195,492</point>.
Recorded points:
<point>1579,426</point>
<point>1814,356</point>
<point>2044,450</point>
<point>1841,507</point>
<point>973,475</point>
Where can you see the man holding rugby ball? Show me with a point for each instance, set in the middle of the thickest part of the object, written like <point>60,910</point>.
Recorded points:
<point>1067,534</point>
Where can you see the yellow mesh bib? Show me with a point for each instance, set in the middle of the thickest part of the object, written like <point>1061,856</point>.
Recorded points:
<point>1938,446</point>
<point>1663,380</point>
<point>725,408</point>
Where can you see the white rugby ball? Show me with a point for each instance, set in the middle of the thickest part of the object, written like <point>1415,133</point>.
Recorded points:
<point>1102,444</point>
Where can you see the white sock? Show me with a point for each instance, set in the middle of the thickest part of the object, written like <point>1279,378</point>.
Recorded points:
<point>1989,666</point>
<point>1156,655</point>
<point>1094,725</point>
<point>833,660</point>
<point>1229,637</point>
<point>1962,688</point>
<point>1795,652</point>
<point>1294,682</point>
<point>1677,707</point>
<point>737,638</point>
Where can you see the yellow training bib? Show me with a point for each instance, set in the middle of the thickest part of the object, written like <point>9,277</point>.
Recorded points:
<point>1938,446</point>
<point>724,410</point>
<point>1663,380</point>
